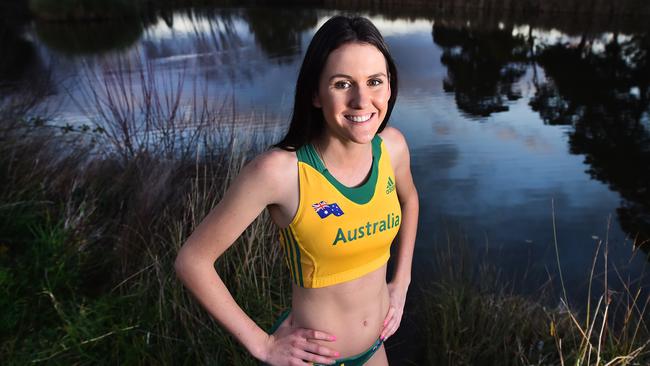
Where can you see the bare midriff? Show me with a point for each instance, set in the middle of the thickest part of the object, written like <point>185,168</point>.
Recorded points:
<point>353,311</point>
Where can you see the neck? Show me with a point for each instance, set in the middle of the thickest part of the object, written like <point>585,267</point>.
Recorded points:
<point>337,153</point>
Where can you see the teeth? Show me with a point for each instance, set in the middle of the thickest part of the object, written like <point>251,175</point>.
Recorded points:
<point>362,118</point>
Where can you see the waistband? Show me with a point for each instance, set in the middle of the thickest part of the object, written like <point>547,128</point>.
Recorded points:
<point>357,360</point>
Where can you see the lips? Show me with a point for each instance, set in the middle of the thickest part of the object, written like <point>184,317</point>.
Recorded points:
<point>358,118</point>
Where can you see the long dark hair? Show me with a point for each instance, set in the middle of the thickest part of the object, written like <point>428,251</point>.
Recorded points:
<point>307,121</point>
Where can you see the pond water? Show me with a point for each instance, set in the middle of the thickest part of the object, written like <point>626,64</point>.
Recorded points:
<point>511,125</point>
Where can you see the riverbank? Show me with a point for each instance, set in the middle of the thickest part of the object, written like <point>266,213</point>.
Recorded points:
<point>87,251</point>
<point>87,248</point>
<point>92,216</point>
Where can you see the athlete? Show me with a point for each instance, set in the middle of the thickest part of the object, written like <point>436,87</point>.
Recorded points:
<point>339,188</point>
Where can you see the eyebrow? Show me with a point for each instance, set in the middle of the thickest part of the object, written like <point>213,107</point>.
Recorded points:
<point>350,77</point>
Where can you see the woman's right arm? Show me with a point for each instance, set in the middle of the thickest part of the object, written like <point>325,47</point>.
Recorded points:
<point>259,184</point>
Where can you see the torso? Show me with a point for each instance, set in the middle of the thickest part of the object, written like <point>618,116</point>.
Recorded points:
<point>354,310</point>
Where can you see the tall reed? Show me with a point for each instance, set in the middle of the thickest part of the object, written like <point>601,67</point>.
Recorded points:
<point>106,225</point>
<point>471,317</point>
<point>615,331</point>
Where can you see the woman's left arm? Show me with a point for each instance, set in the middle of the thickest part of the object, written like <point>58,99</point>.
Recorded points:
<point>408,198</point>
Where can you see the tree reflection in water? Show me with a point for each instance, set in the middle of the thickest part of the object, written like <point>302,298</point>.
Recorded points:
<point>605,97</point>
<point>25,79</point>
<point>602,92</point>
<point>482,67</point>
<point>278,31</point>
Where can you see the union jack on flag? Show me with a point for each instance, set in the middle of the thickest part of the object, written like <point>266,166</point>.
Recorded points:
<point>319,206</point>
<point>323,209</point>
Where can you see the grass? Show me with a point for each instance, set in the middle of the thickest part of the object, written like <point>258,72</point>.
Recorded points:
<point>88,238</point>
<point>471,317</point>
<point>87,261</point>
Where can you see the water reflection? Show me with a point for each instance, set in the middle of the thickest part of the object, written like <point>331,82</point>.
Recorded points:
<point>18,53</point>
<point>604,95</point>
<point>482,67</point>
<point>597,84</point>
<point>89,38</point>
<point>24,77</point>
<point>278,31</point>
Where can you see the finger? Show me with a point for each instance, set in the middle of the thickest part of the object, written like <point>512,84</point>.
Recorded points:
<point>393,327</point>
<point>316,334</point>
<point>388,329</point>
<point>391,311</point>
<point>310,357</point>
<point>320,350</point>
<point>298,362</point>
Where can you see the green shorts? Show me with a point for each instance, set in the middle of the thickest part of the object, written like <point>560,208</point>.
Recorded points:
<point>357,360</point>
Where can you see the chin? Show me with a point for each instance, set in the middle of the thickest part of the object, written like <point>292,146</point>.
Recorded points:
<point>363,139</point>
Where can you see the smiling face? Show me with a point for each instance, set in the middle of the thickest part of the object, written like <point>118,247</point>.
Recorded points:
<point>353,92</point>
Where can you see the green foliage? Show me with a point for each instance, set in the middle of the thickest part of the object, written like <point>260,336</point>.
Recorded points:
<point>469,318</point>
<point>86,260</point>
<point>466,326</point>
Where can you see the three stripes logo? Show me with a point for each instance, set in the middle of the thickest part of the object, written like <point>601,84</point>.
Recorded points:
<point>390,186</point>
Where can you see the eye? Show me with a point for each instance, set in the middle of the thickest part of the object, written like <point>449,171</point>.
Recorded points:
<point>375,82</point>
<point>342,84</point>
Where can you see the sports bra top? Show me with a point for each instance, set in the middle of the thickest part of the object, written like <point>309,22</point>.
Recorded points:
<point>340,233</point>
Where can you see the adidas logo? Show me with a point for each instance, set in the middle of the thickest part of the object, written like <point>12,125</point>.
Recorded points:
<point>390,186</point>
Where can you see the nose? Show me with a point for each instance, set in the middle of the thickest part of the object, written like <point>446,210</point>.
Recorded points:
<point>360,98</point>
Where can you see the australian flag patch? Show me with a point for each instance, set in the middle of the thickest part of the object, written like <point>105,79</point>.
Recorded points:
<point>323,209</point>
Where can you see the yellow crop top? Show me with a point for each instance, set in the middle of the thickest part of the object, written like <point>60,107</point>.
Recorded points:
<point>341,233</point>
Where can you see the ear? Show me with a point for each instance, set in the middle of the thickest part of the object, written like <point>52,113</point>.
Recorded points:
<point>315,101</point>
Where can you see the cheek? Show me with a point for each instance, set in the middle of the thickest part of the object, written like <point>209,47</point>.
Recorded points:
<point>381,97</point>
<point>334,101</point>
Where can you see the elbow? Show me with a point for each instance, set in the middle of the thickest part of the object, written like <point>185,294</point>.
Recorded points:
<point>189,262</point>
<point>181,264</point>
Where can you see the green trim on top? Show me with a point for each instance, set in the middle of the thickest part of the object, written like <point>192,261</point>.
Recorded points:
<point>290,255</point>
<point>292,240</point>
<point>361,194</point>
<point>283,241</point>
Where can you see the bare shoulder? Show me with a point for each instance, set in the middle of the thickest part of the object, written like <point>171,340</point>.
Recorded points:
<point>271,171</point>
<point>395,144</point>
<point>392,136</point>
<point>272,164</point>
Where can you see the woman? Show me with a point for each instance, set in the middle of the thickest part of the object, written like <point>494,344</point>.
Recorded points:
<point>339,187</point>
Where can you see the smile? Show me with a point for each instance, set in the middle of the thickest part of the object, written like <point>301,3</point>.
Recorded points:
<point>361,118</point>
